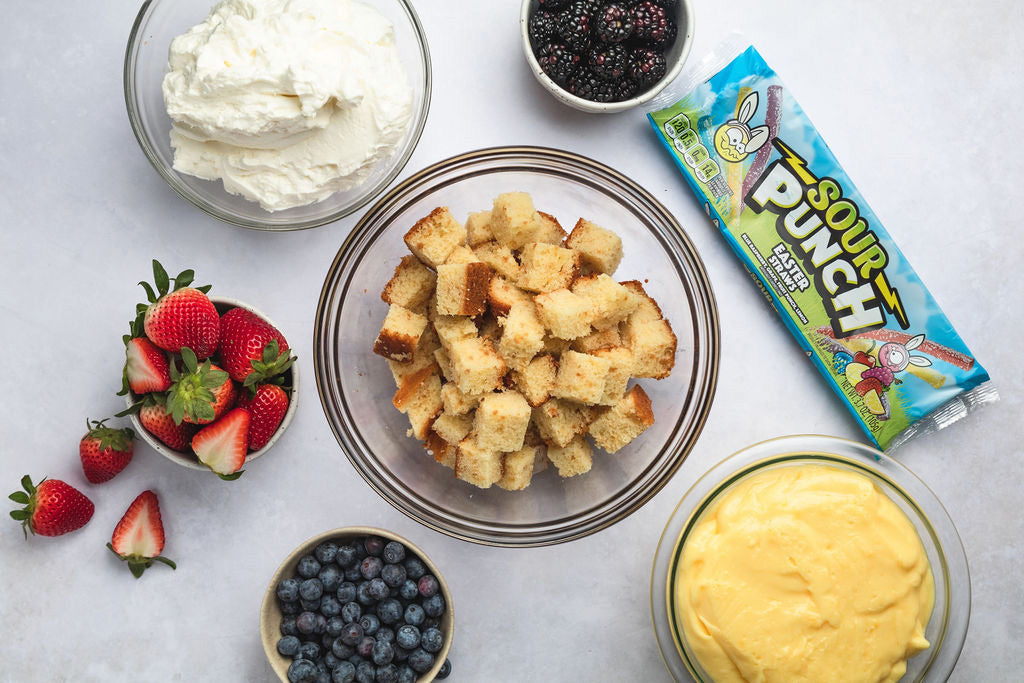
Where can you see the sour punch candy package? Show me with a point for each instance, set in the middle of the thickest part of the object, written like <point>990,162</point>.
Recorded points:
<point>771,185</point>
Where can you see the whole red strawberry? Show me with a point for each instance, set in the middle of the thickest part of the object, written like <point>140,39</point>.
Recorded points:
<point>105,451</point>
<point>155,419</point>
<point>244,339</point>
<point>52,508</point>
<point>182,316</point>
<point>199,393</point>
<point>139,537</point>
<point>266,410</point>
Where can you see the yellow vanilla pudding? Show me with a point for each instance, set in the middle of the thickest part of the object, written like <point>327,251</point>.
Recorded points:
<point>804,573</point>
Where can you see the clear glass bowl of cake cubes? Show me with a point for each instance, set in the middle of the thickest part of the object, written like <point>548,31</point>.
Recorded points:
<point>356,386</point>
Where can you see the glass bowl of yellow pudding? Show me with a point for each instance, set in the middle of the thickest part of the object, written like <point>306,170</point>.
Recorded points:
<point>810,558</point>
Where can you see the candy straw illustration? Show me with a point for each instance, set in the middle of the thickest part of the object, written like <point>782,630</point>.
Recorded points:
<point>734,172</point>
<point>886,335</point>
<point>773,119</point>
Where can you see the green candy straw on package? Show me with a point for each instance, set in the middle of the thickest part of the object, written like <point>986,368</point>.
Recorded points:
<point>771,185</point>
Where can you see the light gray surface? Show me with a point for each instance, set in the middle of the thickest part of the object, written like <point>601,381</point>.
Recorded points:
<point>920,101</point>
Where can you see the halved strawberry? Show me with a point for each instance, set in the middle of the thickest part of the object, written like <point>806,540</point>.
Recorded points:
<point>244,338</point>
<point>179,317</point>
<point>155,419</point>
<point>266,407</point>
<point>139,537</point>
<point>105,451</point>
<point>199,393</point>
<point>52,508</point>
<point>222,446</point>
<point>145,368</point>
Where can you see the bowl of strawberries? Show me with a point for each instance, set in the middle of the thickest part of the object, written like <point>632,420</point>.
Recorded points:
<point>210,382</point>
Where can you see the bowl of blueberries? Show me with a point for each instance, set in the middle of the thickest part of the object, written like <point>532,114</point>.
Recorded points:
<point>358,604</point>
<point>606,56</point>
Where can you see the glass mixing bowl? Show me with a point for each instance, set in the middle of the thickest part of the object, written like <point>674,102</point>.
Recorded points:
<point>947,626</point>
<point>356,386</point>
<point>145,63</point>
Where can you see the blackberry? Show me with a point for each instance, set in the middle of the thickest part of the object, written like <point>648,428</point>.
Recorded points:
<point>552,5</point>
<point>559,63</point>
<point>574,23</point>
<point>613,23</point>
<point>669,37</point>
<point>610,62</point>
<point>541,28</point>
<point>647,67</point>
<point>649,21</point>
<point>623,89</point>
<point>589,86</point>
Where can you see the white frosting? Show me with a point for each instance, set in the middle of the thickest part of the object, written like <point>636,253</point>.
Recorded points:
<point>286,101</point>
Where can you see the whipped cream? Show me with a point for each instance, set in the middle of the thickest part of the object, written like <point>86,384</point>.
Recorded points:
<point>286,101</point>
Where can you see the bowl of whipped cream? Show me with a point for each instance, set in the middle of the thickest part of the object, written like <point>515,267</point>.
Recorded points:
<point>277,114</point>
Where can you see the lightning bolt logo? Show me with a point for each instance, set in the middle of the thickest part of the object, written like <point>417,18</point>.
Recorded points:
<point>795,162</point>
<point>891,300</point>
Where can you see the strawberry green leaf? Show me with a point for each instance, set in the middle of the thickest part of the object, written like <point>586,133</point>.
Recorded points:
<point>150,294</point>
<point>189,358</point>
<point>230,477</point>
<point>19,497</point>
<point>168,562</point>
<point>19,515</point>
<point>205,289</point>
<point>26,483</point>
<point>184,278</point>
<point>160,278</point>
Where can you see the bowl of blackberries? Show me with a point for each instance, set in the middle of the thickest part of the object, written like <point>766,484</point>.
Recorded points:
<point>358,604</point>
<point>606,56</point>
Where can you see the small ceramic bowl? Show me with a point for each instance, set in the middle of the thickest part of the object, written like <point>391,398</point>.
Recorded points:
<point>270,612</point>
<point>682,15</point>
<point>223,305</point>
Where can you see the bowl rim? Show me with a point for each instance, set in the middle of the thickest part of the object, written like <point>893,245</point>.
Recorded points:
<point>180,458</point>
<point>827,450</point>
<point>685,9</point>
<point>269,609</point>
<point>706,330</point>
<point>181,189</point>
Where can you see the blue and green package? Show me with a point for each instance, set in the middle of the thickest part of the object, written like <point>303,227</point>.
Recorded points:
<point>774,189</point>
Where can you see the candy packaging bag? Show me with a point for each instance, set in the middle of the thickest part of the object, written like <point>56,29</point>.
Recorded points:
<point>772,186</point>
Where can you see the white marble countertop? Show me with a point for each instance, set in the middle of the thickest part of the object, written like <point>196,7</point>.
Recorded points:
<point>921,103</point>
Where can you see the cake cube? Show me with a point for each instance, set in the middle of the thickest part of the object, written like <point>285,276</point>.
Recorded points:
<point>653,345</point>
<point>476,465</point>
<point>457,403</point>
<point>522,337</point>
<point>423,406</point>
<point>435,236</point>
<point>444,362</point>
<point>581,377</point>
<point>545,267</point>
<point>462,288</point>
<point>478,228</point>
<point>500,258</point>
<point>411,285</point>
<point>612,302</point>
<point>555,346</point>
<point>615,427</point>
<point>517,468</point>
<point>462,254</point>
<point>647,309</point>
<point>478,366</point>
<point>489,327</point>
<point>514,221</point>
<point>422,357</point>
<point>537,379</point>
<point>599,339</point>
<point>452,428</point>
<point>502,294</point>
<point>576,457</point>
<point>442,451</point>
<point>621,369</point>
<point>600,248</point>
<point>501,420</point>
<point>549,230</point>
<point>451,329</point>
<point>564,314</point>
<point>400,334</point>
<point>410,386</point>
<point>559,421</point>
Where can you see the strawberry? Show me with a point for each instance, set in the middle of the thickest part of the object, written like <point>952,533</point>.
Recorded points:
<point>183,316</point>
<point>52,508</point>
<point>200,393</point>
<point>266,406</point>
<point>145,368</point>
<point>222,446</point>
<point>155,419</point>
<point>139,537</point>
<point>105,451</point>
<point>244,341</point>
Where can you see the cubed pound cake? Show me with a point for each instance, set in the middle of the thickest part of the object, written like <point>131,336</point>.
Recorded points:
<point>462,288</point>
<point>549,230</point>
<point>517,468</point>
<point>411,285</point>
<point>620,360</point>
<point>501,421</point>
<point>500,258</point>
<point>502,294</point>
<point>456,402</point>
<point>559,421</point>
<point>600,248</point>
<point>576,457</point>
<point>400,334</point>
<point>564,314</point>
<point>581,377</point>
<point>452,428</point>
<point>478,228</point>
<point>478,367</point>
<point>476,465</point>
<point>615,427</point>
<point>647,309</point>
<point>546,267</point>
<point>522,337</point>
<point>454,328</point>
<point>612,303</point>
<point>537,379</point>
<point>434,237</point>
<point>653,345</point>
<point>423,406</point>
<point>442,451</point>
<point>462,254</point>
<point>514,221</point>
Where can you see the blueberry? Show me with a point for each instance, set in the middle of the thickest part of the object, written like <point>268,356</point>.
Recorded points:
<point>408,590</point>
<point>322,677</point>
<point>288,627</point>
<point>406,675</point>
<point>374,545</point>
<point>401,654</point>
<point>330,661</point>
<point>290,609</point>
<point>326,642</point>
<point>288,590</point>
<point>389,611</point>
<point>408,637</point>
<point>288,646</point>
<point>310,605</point>
<point>306,623</point>
<point>370,567</point>
<point>352,634</point>
<point>321,624</point>
<point>311,589</point>
<point>370,623</point>
<point>365,646</point>
<point>387,674</point>
<point>445,670</point>
<point>341,650</point>
<point>346,592</point>
<point>309,650</point>
<point>345,672</point>
<point>301,670</point>
<point>346,556</point>
<point>360,547</point>
<point>363,593</point>
<point>434,606</point>
<point>393,552</point>
<point>365,672</point>
<point>431,622</point>
<point>383,653</point>
<point>385,634</point>
<point>415,615</point>
<point>308,567</point>
<point>414,568</point>
<point>352,573</point>
<point>432,640</point>
<point>393,575</point>
<point>420,660</point>
<point>357,660</point>
<point>330,576</point>
<point>428,585</point>
<point>326,552</point>
<point>377,589</point>
<point>329,606</point>
<point>351,611</point>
